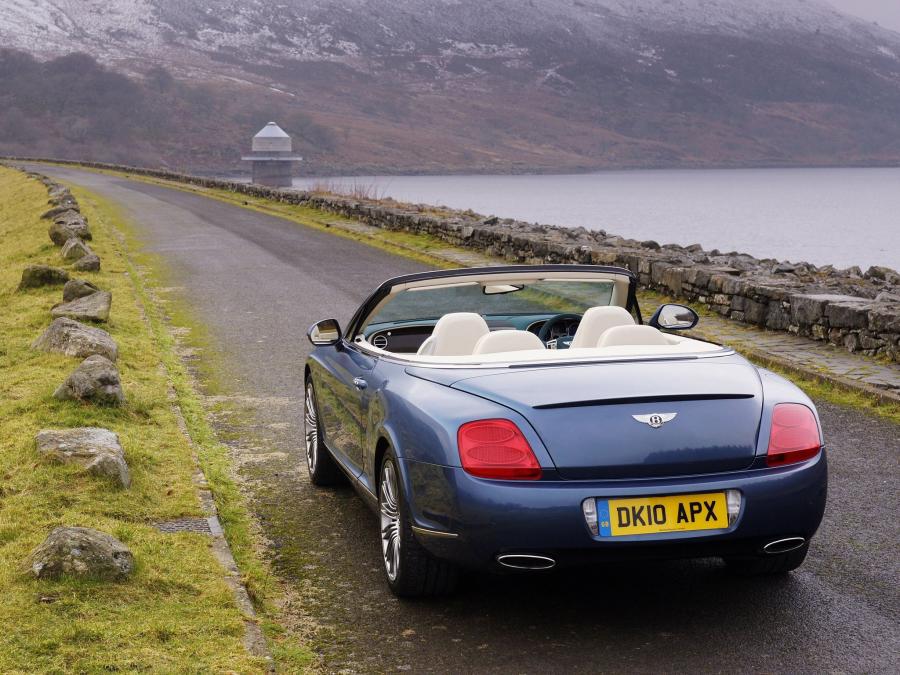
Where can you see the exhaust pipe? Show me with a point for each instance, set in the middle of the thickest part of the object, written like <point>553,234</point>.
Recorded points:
<point>783,545</point>
<point>526,561</point>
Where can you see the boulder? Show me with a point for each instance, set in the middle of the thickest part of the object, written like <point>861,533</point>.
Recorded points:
<point>883,274</point>
<point>96,380</point>
<point>62,199</point>
<point>89,263</point>
<point>59,192</point>
<point>67,227</point>
<point>59,233</point>
<point>59,210</point>
<point>98,451</point>
<point>81,552</point>
<point>35,276</point>
<point>70,214</point>
<point>93,307</point>
<point>848,315</point>
<point>74,249</point>
<point>809,309</point>
<point>77,288</point>
<point>69,337</point>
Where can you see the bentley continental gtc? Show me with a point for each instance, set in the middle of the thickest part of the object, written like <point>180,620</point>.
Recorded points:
<point>522,418</point>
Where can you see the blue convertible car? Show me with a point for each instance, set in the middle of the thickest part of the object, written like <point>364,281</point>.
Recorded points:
<point>524,418</point>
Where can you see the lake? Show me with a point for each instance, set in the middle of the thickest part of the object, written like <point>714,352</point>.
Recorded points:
<point>839,216</point>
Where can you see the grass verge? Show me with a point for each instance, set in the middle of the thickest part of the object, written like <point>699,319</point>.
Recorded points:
<point>176,613</point>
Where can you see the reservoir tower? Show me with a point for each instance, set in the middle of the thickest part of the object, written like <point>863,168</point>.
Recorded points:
<point>272,157</point>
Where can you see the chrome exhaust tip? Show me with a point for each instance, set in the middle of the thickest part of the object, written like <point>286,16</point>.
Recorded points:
<point>526,561</point>
<point>783,545</point>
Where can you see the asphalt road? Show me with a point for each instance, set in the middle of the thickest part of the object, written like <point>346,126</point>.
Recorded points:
<point>257,282</point>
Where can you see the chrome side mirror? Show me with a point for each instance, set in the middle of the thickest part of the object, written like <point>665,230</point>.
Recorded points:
<point>674,317</point>
<point>325,332</point>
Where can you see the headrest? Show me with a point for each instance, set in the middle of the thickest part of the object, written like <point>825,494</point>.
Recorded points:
<point>633,335</point>
<point>455,334</point>
<point>596,321</point>
<point>507,341</point>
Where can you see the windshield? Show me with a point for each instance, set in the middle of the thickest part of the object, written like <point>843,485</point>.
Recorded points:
<point>495,299</point>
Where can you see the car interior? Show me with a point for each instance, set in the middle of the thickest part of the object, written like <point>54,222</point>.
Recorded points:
<point>466,337</point>
<point>516,319</point>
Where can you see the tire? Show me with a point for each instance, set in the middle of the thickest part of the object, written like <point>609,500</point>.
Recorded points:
<point>770,565</point>
<point>323,470</point>
<point>410,570</point>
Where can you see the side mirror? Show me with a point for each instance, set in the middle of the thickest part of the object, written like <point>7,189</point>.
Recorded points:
<point>674,317</point>
<point>324,333</point>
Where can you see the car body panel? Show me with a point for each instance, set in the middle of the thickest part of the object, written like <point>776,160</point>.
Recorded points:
<point>493,517</point>
<point>585,415</point>
<point>578,420</point>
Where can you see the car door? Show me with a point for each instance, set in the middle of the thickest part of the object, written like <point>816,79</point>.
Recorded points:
<point>343,395</point>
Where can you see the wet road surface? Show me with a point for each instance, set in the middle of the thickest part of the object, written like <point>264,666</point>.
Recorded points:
<point>257,282</point>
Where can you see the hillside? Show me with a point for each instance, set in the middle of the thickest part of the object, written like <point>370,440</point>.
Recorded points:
<point>510,85</point>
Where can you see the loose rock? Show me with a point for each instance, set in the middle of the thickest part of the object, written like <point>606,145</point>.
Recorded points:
<point>77,288</point>
<point>94,307</point>
<point>58,210</point>
<point>69,227</point>
<point>69,337</point>
<point>74,248</point>
<point>89,263</point>
<point>98,451</point>
<point>96,379</point>
<point>35,276</point>
<point>81,552</point>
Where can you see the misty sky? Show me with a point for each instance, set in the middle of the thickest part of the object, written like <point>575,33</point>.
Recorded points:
<point>885,12</point>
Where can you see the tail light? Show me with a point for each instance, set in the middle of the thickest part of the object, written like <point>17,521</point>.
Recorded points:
<point>794,436</point>
<point>496,449</point>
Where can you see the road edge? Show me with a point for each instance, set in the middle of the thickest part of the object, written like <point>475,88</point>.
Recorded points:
<point>191,416</point>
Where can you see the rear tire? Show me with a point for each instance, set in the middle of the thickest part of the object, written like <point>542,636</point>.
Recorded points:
<point>769,565</point>
<point>323,470</point>
<point>411,571</point>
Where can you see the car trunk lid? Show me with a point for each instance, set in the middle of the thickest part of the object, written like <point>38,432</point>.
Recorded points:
<point>635,420</point>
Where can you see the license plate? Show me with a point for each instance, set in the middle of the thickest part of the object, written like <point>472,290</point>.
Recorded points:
<point>655,515</point>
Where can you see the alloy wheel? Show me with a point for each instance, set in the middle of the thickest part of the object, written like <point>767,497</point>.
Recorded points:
<point>389,508</point>
<point>312,427</point>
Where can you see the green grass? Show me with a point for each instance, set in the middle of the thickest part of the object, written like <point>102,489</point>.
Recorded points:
<point>176,613</point>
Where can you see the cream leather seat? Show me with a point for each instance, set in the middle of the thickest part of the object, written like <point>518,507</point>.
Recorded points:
<point>507,341</point>
<point>596,321</point>
<point>633,335</point>
<point>455,335</point>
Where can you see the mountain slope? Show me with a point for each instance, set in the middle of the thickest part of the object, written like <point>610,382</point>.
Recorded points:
<point>514,84</point>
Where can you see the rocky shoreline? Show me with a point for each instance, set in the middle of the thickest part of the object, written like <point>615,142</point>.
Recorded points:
<point>858,311</point>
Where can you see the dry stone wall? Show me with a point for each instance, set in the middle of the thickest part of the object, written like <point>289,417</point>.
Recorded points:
<point>859,311</point>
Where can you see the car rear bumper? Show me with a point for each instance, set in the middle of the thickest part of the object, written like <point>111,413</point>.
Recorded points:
<point>471,521</point>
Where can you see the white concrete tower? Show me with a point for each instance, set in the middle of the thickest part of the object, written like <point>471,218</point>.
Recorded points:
<point>271,157</point>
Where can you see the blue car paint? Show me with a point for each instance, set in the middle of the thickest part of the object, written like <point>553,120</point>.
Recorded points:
<point>419,410</point>
<point>587,420</point>
<point>545,516</point>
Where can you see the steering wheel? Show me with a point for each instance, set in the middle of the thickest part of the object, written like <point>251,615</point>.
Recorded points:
<point>552,322</point>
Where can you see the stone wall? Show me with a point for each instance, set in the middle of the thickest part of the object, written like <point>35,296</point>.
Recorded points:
<point>849,308</point>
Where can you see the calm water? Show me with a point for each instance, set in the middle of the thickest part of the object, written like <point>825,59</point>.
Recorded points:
<point>839,216</point>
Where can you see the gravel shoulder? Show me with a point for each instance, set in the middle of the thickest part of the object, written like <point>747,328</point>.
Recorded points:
<point>255,282</point>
